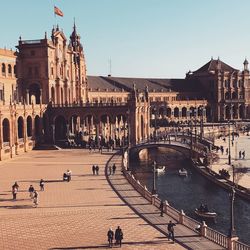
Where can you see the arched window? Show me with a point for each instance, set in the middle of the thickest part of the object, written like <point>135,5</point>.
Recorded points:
<point>3,69</point>
<point>9,69</point>
<point>234,95</point>
<point>176,112</point>
<point>29,126</point>
<point>6,130</point>
<point>20,127</point>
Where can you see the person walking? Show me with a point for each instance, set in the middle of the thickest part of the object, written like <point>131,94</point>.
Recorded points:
<point>114,168</point>
<point>93,169</point>
<point>97,169</point>
<point>161,208</point>
<point>118,236</point>
<point>41,185</point>
<point>35,198</point>
<point>110,169</point>
<point>243,154</point>
<point>171,230</point>
<point>15,185</point>
<point>14,193</point>
<point>31,191</point>
<point>110,235</point>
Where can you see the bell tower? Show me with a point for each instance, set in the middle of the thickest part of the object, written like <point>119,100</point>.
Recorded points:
<point>79,66</point>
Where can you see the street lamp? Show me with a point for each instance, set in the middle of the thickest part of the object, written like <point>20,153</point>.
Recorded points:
<point>232,231</point>
<point>154,182</point>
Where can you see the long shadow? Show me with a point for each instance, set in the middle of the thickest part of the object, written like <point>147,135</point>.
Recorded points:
<point>123,218</point>
<point>157,242</point>
<point>134,209</point>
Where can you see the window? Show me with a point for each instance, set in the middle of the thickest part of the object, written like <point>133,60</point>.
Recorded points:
<point>1,94</point>
<point>3,69</point>
<point>9,69</point>
<point>52,71</point>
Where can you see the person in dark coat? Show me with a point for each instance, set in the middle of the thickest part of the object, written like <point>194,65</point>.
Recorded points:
<point>161,207</point>
<point>118,236</point>
<point>41,185</point>
<point>110,235</point>
<point>97,169</point>
<point>171,230</point>
<point>114,168</point>
<point>15,185</point>
<point>93,169</point>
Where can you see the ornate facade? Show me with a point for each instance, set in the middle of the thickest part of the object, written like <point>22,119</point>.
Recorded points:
<point>45,95</point>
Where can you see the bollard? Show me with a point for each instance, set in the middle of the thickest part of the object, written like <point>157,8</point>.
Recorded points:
<point>181,217</point>
<point>203,228</point>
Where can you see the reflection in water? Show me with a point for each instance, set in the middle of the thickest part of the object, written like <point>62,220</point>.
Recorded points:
<point>189,192</point>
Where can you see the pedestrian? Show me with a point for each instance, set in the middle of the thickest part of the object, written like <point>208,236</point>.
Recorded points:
<point>118,236</point>
<point>243,155</point>
<point>69,173</point>
<point>97,169</point>
<point>31,191</point>
<point>93,169</point>
<point>171,230</point>
<point>114,168</point>
<point>110,169</point>
<point>240,155</point>
<point>14,193</point>
<point>110,235</point>
<point>35,198</point>
<point>41,185</point>
<point>161,207</point>
<point>226,151</point>
<point>15,185</point>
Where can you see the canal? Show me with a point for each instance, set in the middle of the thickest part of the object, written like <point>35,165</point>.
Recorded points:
<point>189,192</point>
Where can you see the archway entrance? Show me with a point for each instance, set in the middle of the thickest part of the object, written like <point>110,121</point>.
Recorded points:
<point>34,93</point>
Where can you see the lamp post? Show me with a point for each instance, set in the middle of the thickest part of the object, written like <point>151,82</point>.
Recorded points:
<point>154,181</point>
<point>232,232</point>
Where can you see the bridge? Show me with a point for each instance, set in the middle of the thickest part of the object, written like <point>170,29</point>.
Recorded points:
<point>189,149</point>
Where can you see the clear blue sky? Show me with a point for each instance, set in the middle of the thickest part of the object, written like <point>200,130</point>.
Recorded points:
<point>144,38</point>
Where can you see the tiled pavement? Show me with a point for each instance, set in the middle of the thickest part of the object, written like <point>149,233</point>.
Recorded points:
<point>151,214</point>
<point>74,215</point>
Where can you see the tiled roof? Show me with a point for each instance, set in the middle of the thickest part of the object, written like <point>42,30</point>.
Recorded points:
<point>154,84</point>
<point>212,66</point>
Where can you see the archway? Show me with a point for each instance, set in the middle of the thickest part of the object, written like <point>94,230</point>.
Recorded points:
<point>60,128</point>
<point>176,112</point>
<point>20,127</point>
<point>6,130</point>
<point>34,91</point>
<point>184,112</point>
<point>29,126</point>
<point>53,94</point>
<point>37,126</point>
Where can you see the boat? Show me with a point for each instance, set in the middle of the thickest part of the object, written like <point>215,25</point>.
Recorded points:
<point>160,169</point>
<point>204,214</point>
<point>183,172</point>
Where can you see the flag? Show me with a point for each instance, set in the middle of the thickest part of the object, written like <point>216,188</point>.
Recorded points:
<point>57,11</point>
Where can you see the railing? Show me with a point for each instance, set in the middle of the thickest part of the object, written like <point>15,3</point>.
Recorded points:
<point>6,144</point>
<point>103,104</point>
<point>216,237</point>
<point>180,216</point>
<point>240,246</point>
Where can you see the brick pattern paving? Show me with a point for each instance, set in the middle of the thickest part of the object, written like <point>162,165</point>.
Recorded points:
<point>151,214</point>
<point>74,215</point>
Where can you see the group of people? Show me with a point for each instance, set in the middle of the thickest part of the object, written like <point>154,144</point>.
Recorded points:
<point>67,175</point>
<point>112,169</point>
<point>95,169</point>
<point>118,236</point>
<point>32,191</point>
<point>242,155</point>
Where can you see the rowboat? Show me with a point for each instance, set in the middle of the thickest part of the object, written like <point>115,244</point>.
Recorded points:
<point>205,214</point>
<point>183,172</point>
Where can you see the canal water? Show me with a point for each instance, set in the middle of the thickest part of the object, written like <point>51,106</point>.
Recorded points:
<point>189,192</point>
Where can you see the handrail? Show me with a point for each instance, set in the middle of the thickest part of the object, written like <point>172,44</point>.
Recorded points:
<point>192,224</point>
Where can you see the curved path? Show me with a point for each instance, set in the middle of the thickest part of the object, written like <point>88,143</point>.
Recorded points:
<point>184,236</point>
<point>74,215</point>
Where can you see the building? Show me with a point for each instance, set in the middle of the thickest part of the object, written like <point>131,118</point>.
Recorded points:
<point>46,96</point>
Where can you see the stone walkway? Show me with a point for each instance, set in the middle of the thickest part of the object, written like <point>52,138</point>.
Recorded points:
<point>184,236</point>
<point>74,215</point>
<point>240,144</point>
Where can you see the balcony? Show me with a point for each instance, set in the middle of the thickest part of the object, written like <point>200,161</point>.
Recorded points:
<point>234,100</point>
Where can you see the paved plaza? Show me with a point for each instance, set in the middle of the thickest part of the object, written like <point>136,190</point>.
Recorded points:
<point>241,143</point>
<point>70,215</point>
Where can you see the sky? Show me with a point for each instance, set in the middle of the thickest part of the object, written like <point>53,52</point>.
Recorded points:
<point>143,38</point>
